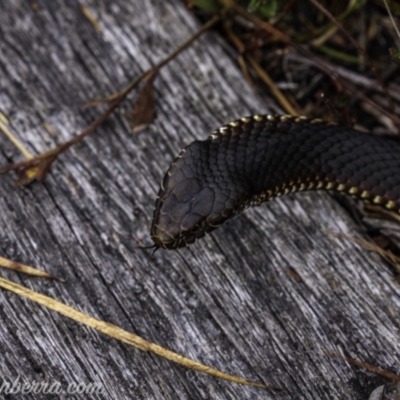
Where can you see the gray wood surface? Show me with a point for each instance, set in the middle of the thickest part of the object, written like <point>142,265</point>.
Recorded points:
<point>227,301</point>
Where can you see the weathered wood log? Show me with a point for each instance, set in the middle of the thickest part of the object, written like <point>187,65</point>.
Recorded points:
<point>231,300</point>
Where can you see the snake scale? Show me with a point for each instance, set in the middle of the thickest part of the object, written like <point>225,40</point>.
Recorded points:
<point>253,159</point>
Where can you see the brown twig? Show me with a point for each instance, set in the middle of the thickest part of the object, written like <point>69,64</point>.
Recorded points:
<point>335,76</point>
<point>370,245</point>
<point>261,73</point>
<point>257,21</point>
<point>349,75</point>
<point>369,367</point>
<point>367,99</point>
<point>340,83</point>
<point>391,18</point>
<point>328,14</point>
<point>279,35</point>
<point>45,160</point>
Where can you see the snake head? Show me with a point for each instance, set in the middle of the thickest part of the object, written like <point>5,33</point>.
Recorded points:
<point>187,205</point>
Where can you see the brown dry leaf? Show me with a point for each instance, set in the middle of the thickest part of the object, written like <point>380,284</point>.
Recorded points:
<point>120,334</point>
<point>27,176</point>
<point>37,171</point>
<point>26,269</point>
<point>143,110</point>
<point>293,274</point>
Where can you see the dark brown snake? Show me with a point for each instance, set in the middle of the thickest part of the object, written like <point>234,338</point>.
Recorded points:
<point>254,159</point>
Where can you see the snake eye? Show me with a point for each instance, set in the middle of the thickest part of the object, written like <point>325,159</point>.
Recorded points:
<point>197,226</point>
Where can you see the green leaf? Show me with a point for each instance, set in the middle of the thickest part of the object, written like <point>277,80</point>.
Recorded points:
<point>395,53</point>
<point>254,5</point>
<point>208,5</point>
<point>266,8</point>
<point>269,8</point>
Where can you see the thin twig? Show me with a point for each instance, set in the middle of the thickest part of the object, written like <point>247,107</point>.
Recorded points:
<point>50,156</point>
<point>370,245</point>
<point>368,99</point>
<point>26,269</point>
<point>274,89</point>
<point>391,18</point>
<point>15,141</point>
<point>328,14</point>
<point>324,66</point>
<point>359,79</point>
<point>369,367</point>
<point>257,21</point>
<point>279,35</point>
<point>122,335</point>
<point>262,74</point>
<point>333,28</point>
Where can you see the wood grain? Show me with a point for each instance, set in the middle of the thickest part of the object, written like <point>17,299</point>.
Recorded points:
<point>230,301</point>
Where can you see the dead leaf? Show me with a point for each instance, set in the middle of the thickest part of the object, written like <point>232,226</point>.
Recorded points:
<point>37,171</point>
<point>293,274</point>
<point>143,107</point>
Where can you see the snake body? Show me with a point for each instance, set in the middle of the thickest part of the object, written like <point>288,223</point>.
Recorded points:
<point>256,158</point>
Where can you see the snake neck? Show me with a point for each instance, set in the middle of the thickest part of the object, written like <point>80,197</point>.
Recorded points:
<point>270,156</point>
<point>256,158</point>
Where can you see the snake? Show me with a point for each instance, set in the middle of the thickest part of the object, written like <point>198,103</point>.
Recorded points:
<point>256,158</point>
